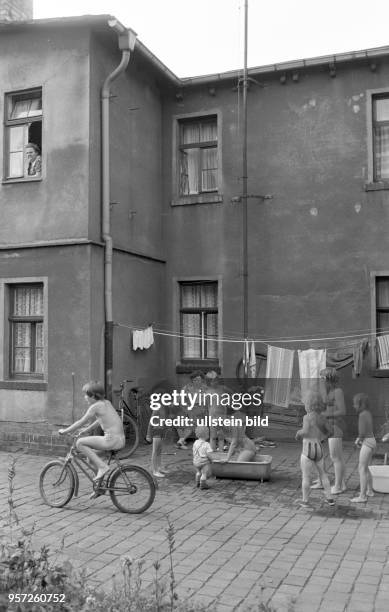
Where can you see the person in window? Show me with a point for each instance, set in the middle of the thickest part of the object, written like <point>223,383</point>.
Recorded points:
<point>34,165</point>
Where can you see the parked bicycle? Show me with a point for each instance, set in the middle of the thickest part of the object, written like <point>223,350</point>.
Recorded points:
<point>135,412</point>
<point>131,488</point>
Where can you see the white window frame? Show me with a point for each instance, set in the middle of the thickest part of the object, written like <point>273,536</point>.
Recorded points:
<point>33,92</point>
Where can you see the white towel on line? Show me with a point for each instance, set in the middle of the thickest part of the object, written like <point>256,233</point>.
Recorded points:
<point>142,338</point>
<point>311,361</point>
<point>279,368</point>
<point>383,351</point>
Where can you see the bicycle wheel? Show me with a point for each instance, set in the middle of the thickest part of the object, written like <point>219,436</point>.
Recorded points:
<point>132,489</point>
<point>131,433</point>
<point>56,484</point>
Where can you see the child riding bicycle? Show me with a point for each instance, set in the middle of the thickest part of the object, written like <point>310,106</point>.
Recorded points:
<point>100,412</point>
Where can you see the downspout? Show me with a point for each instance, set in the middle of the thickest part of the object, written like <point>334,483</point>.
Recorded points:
<point>126,40</point>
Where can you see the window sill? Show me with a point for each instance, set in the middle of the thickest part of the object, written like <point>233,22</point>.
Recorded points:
<point>201,198</point>
<point>24,385</point>
<point>30,179</point>
<point>376,373</point>
<point>193,366</point>
<point>377,186</point>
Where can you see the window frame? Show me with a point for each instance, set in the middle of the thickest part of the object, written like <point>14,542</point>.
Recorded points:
<point>202,312</point>
<point>373,184</point>
<point>375,370</point>
<point>24,121</point>
<point>188,365</point>
<point>22,380</point>
<point>203,197</point>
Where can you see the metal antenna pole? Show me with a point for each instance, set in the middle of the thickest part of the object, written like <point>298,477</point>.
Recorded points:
<point>244,184</point>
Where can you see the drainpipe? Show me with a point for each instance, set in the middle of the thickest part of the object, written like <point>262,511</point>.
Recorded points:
<point>126,40</point>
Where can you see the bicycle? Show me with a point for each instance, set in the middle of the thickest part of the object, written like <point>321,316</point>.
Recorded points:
<point>135,412</point>
<point>59,482</point>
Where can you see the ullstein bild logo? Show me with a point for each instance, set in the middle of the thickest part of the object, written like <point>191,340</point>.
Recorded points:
<point>208,421</point>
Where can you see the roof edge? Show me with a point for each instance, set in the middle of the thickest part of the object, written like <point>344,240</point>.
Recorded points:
<point>322,60</point>
<point>91,21</point>
<point>102,20</point>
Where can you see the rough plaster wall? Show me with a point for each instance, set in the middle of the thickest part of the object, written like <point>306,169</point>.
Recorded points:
<point>15,10</point>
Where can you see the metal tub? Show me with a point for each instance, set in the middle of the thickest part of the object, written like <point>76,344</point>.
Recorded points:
<point>242,470</point>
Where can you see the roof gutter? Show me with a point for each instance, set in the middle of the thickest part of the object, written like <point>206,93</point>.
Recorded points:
<point>335,59</point>
<point>126,40</point>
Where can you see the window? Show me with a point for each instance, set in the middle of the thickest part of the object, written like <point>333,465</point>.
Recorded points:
<point>199,320</point>
<point>23,135</point>
<point>381,138</point>
<point>26,331</point>
<point>198,156</point>
<point>382,320</point>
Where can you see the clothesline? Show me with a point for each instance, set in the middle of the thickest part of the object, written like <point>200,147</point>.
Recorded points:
<point>234,336</point>
<point>267,341</point>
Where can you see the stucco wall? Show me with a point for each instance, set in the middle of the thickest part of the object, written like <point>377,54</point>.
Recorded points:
<point>56,206</point>
<point>313,246</point>
<point>135,150</point>
<point>67,271</point>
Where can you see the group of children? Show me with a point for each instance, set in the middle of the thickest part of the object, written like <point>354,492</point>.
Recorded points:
<point>317,428</point>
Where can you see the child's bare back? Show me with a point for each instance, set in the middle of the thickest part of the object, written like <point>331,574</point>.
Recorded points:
<point>314,427</point>
<point>106,415</point>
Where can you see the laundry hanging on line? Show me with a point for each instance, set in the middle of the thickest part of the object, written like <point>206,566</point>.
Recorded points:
<point>279,368</point>
<point>311,362</point>
<point>249,359</point>
<point>383,351</point>
<point>142,338</point>
<point>346,354</point>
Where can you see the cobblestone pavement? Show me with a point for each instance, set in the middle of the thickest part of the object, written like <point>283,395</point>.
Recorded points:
<point>238,542</point>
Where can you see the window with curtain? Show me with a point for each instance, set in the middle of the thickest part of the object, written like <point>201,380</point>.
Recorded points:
<point>198,156</point>
<point>199,320</point>
<point>23,135</point>
<point>26,316</point>
<point>382,321</point>
<point>381,137</point>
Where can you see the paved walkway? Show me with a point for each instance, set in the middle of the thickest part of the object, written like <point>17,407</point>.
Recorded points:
<point>238,542</point>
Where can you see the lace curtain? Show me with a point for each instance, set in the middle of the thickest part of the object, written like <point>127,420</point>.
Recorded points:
<point>28,344</point>
<point>201,324</point>
<point>381,152</point>
<point>198,165</point>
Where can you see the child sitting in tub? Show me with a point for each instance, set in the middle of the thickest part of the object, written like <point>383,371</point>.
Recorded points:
<point>314,429</point>
<point>239,442</point>
<point>202,457</point>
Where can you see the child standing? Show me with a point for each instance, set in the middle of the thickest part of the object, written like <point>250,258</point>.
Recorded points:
<point>202,457</point>
<point>156,434</point>
<point>100,412</point>
<point>367,443</point>
<point>313,430</point>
